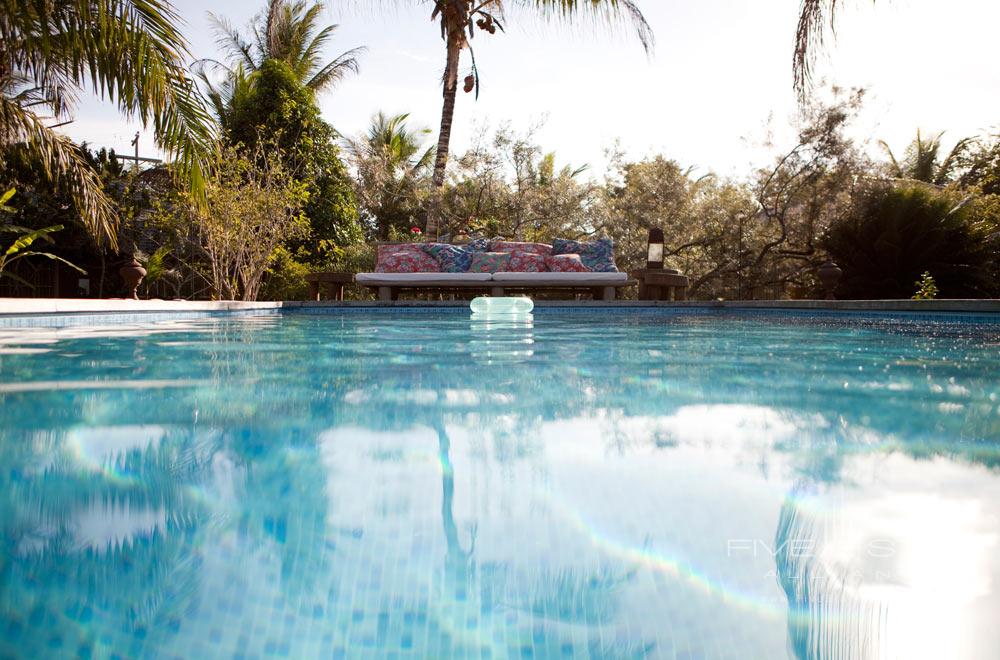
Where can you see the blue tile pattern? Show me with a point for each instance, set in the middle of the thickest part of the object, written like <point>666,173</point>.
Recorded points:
<point>413,483</point>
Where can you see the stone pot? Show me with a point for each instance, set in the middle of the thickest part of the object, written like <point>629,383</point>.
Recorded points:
<point>829,276</point>
<point>132,273</point>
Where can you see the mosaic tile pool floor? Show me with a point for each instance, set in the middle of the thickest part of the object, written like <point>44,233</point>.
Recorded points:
<point>621,484</point>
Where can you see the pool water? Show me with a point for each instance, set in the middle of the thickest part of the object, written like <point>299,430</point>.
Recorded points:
<point>604,484</point>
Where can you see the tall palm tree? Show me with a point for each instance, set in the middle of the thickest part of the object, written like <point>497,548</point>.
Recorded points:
<point>128,51</point>
<point>287,30</point>
<point>923,162</point>
<point>461,20</point>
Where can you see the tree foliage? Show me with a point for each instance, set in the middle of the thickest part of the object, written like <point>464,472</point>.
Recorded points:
<point>127,51</point>
<point>896,233</point>
<point>254,205</point>
<point>283,113</point>
<point>922,160</point>
<point>506,185</point>
<point>392,167</point>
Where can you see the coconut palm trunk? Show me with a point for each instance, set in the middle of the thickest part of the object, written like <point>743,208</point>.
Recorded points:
<point>455,42</point>
<point>460,20</point>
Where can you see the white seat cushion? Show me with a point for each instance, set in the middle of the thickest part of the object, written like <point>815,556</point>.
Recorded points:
<point>404,279</point>
<point>568,279</point>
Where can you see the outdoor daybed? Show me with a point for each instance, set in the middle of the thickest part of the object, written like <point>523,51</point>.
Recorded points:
<point>496,267</point>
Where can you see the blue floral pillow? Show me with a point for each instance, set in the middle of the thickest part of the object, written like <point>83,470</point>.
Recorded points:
<point>598,256</point>
<point>478,245</point>
<point>451,258</point>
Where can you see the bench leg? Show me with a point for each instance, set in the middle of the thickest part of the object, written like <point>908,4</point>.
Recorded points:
<point>609,294</point>
<point>340,293</point>
<point>385,294</point>
<point>496,291</point>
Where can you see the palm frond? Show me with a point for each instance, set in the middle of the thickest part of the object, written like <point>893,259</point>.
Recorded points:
<point>815,19</point>
<point>63,164</point>
<point>335,71</point>
<point>613,12</point>
<point>953,160</point>
<point>895,168</point>
<point>130,52</point>
<point>229,40</point>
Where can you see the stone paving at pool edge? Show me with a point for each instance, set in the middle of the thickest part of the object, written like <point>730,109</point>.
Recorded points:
<point>49,306</point>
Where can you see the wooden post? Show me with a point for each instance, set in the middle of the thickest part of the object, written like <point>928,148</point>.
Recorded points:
<point>313,290</point>
<point>385,294</point>
<point>496,291</point>
<point>609,294</point>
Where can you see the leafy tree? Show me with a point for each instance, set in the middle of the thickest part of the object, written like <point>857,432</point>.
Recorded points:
<point>703,219</point>
<point>254,205</point>
<point>896,234</point>
<point>923,162</point>
<point>392,166</point>
<point>461,20</point>
<point>128,51</point>
<point>284,112</point>
<point>808,188</point>
<point>505,185</point>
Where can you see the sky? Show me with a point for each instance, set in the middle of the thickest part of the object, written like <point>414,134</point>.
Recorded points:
<point>716,85</point>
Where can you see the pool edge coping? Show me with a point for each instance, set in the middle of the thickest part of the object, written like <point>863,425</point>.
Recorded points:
<point>39,307</point>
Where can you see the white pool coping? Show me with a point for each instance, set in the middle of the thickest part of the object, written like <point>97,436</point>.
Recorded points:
<point>22,306</point>
<point>50,306</point>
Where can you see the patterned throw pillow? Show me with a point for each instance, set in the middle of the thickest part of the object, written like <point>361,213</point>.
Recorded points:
<point>405,258</point>
<point>598,256</point>
<point>566,263</point>
<point>451,258</point>
<point>526,262</point>
<point>489,262</point>
<point>478,245</point>
<point>500,245</point>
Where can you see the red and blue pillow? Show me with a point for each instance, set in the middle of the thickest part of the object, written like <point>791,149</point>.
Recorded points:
<point>405,258</point>
<point>526,262</point>
<point>489,262</point>
<point>455,258</point>
<point>566,263</point>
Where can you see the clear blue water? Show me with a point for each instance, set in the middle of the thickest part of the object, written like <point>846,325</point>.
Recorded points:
<point>607,485</point>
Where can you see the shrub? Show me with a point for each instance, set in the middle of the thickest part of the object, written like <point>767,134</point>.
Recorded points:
<point>286,277</point>
<point>253,206</point>
<point>893,235</point>
<point>926,287</point>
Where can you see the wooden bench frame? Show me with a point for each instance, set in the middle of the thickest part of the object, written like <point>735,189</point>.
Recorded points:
<point>390,292</point>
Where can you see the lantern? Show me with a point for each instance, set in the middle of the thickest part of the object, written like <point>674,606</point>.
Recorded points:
<point>654,252</point>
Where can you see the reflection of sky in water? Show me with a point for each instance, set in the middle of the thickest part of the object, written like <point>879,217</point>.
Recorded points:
<point>423,484</point>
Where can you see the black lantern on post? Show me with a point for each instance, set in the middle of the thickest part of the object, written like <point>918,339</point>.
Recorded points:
<point>654,251</point>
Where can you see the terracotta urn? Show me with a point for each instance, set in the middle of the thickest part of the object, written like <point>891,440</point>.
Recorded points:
<point>829,276</point>
<point>132,273</point>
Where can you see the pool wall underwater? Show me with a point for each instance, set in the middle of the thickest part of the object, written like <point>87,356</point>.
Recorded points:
<point>724,481</point>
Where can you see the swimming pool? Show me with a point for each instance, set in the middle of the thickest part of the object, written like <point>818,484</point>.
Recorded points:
<point>608,484</point>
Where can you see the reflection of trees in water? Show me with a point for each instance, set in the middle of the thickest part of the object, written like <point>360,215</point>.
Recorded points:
<point>281,502</point>
<point>828,619</point>
<point>565,596</point>
<point>139,574</point>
